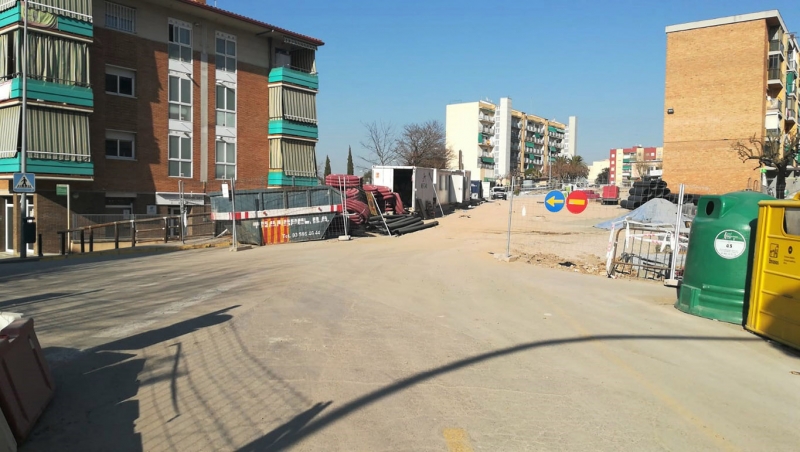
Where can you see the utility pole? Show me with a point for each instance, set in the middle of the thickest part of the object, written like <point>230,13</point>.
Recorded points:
<point>23,247</point>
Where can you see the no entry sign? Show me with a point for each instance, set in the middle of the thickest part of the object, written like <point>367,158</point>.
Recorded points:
<point>577,202</point>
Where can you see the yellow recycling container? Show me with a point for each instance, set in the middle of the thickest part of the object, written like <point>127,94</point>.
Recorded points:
<point>774,310</point>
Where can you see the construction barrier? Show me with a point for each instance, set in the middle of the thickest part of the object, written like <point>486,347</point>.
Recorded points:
<point>774,310</point>
<point>26,385</point>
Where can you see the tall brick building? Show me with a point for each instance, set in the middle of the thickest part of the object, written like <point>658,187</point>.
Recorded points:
<point>130,99</point>
<point>727,80</point>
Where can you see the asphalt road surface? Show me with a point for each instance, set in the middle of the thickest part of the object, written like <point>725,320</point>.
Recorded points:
<point>419,343</point>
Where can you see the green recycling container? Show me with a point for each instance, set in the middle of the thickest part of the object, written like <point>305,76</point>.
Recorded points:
<point>720,255</point>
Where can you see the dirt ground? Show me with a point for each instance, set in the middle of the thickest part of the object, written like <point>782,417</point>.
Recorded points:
<point>560,240</point>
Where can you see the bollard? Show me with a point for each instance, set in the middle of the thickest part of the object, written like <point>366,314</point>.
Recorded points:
<point>133,234</point>
<point>166,229</point>
<point>91,240</point>
<point>39,244</point>
<point>83,249</point>
<point>63,243</point>
<point>116,236</point>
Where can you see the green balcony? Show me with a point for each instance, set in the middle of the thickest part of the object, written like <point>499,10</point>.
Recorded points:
<point>295,77</point>
<point>54,92</point>
<point>286,127</point>
<point>487,160</point>
<point>46,166</point>
<point>281,179</point>
<point>59,22</point>
<point>554,129</point>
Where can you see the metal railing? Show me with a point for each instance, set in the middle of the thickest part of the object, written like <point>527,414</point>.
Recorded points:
<point>776,45</point>
<point>774,73</point>
<point>774,104</point>
<point>791,115</point>
<point>160,229</point>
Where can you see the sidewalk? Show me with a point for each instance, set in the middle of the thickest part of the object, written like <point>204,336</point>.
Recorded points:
<point>190,244</point>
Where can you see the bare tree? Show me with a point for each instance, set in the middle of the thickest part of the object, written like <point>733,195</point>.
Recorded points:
<point>642,166</point>
<point>424,145</point>
<point>771,153</point>
<point>380,143</point>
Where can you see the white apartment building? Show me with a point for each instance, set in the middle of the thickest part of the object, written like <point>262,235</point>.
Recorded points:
<point>508,141</point>
<point>571,138</point>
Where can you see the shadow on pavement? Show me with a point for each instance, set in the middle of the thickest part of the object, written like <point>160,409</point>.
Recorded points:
<point>94,407</point>
<point>42,297</point>
<point>291,436</point>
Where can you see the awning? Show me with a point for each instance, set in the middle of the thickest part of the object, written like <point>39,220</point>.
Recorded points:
<point>9,131</point>
<point>58,135</point>
<point>275,157</point>
<point>299,158</point>
<point>292,104</point>
<point>174,199</point>
<point>77,9</point>
<point>487,160</point>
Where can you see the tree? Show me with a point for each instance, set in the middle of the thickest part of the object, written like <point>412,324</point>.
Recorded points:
<point>578,168</point>
<point>350,169</point>
<point>772,152</point>
<point>603,177</point>
<point>327,166</point>
<point>533,173</point>
<point>424,145</point>
<point>367,177</point>
<point>642,166</point>
<point>380,144</point>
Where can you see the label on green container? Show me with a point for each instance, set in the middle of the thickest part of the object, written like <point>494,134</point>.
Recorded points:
<point>730,244</point>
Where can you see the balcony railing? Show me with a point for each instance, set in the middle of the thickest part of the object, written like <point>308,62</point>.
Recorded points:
<point>774,104</point>
<point>774,74</point>
<point>776,46</point>
<point>791,115</point>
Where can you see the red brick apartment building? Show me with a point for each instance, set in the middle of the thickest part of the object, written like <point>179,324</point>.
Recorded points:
<point>145,95</point>
<point>627,164</point>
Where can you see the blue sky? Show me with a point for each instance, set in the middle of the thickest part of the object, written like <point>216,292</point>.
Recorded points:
<point>404,61</point>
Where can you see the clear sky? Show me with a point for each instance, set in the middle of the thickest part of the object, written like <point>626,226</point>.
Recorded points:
<point>404,61</point>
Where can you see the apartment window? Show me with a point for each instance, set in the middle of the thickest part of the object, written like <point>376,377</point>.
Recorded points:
<point>226,160</point>
<point>180,41</point>
<point>180,155</point>
<point>180,98</point>
<point>226,52</point>
<point>120,18</point>
<point>226,106</point>
<point>120,81</point>
<point>120,145</point>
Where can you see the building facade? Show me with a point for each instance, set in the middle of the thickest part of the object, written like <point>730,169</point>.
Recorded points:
<point>133,102</point>
<point>598,167</point>
<point>708,108</point>
<point>510,142</point>
<point>628,164</point>
<point>571,137</point>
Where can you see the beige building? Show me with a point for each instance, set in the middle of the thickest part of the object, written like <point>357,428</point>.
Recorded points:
<point>495,141</point>
<point>629,164</point>
<point>596,168</point>
<point>727,80</point>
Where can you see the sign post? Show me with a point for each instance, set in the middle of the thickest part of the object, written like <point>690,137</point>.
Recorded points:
<point>63,190</point>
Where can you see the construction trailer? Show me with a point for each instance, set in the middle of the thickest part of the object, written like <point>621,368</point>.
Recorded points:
<point>452,186</point>
<point>416,186</point>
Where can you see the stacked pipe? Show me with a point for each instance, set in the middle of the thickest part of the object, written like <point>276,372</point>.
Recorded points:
<point>400,224</point>
<point>357,208</point>
<point>388,200</point>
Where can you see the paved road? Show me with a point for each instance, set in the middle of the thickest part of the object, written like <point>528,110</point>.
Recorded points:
<point>419,343</point>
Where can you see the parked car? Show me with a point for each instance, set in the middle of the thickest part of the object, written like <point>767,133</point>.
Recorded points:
<point>499,192</point>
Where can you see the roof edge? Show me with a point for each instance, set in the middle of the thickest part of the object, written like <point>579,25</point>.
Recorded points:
<point>770,14</point>
<point>252,21</point>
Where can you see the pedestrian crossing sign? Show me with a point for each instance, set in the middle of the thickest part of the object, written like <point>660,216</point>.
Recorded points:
<point>24,183</point>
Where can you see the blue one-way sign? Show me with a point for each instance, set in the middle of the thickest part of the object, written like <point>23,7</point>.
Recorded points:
<point>24,183</point>
<point>554,201</point>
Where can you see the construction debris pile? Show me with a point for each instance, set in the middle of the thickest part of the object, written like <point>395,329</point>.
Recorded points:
<point>399,224</point>
<point>375,207</point>
<point>647,190</point>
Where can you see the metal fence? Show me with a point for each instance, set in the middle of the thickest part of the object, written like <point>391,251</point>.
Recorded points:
<point>642,234</point>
